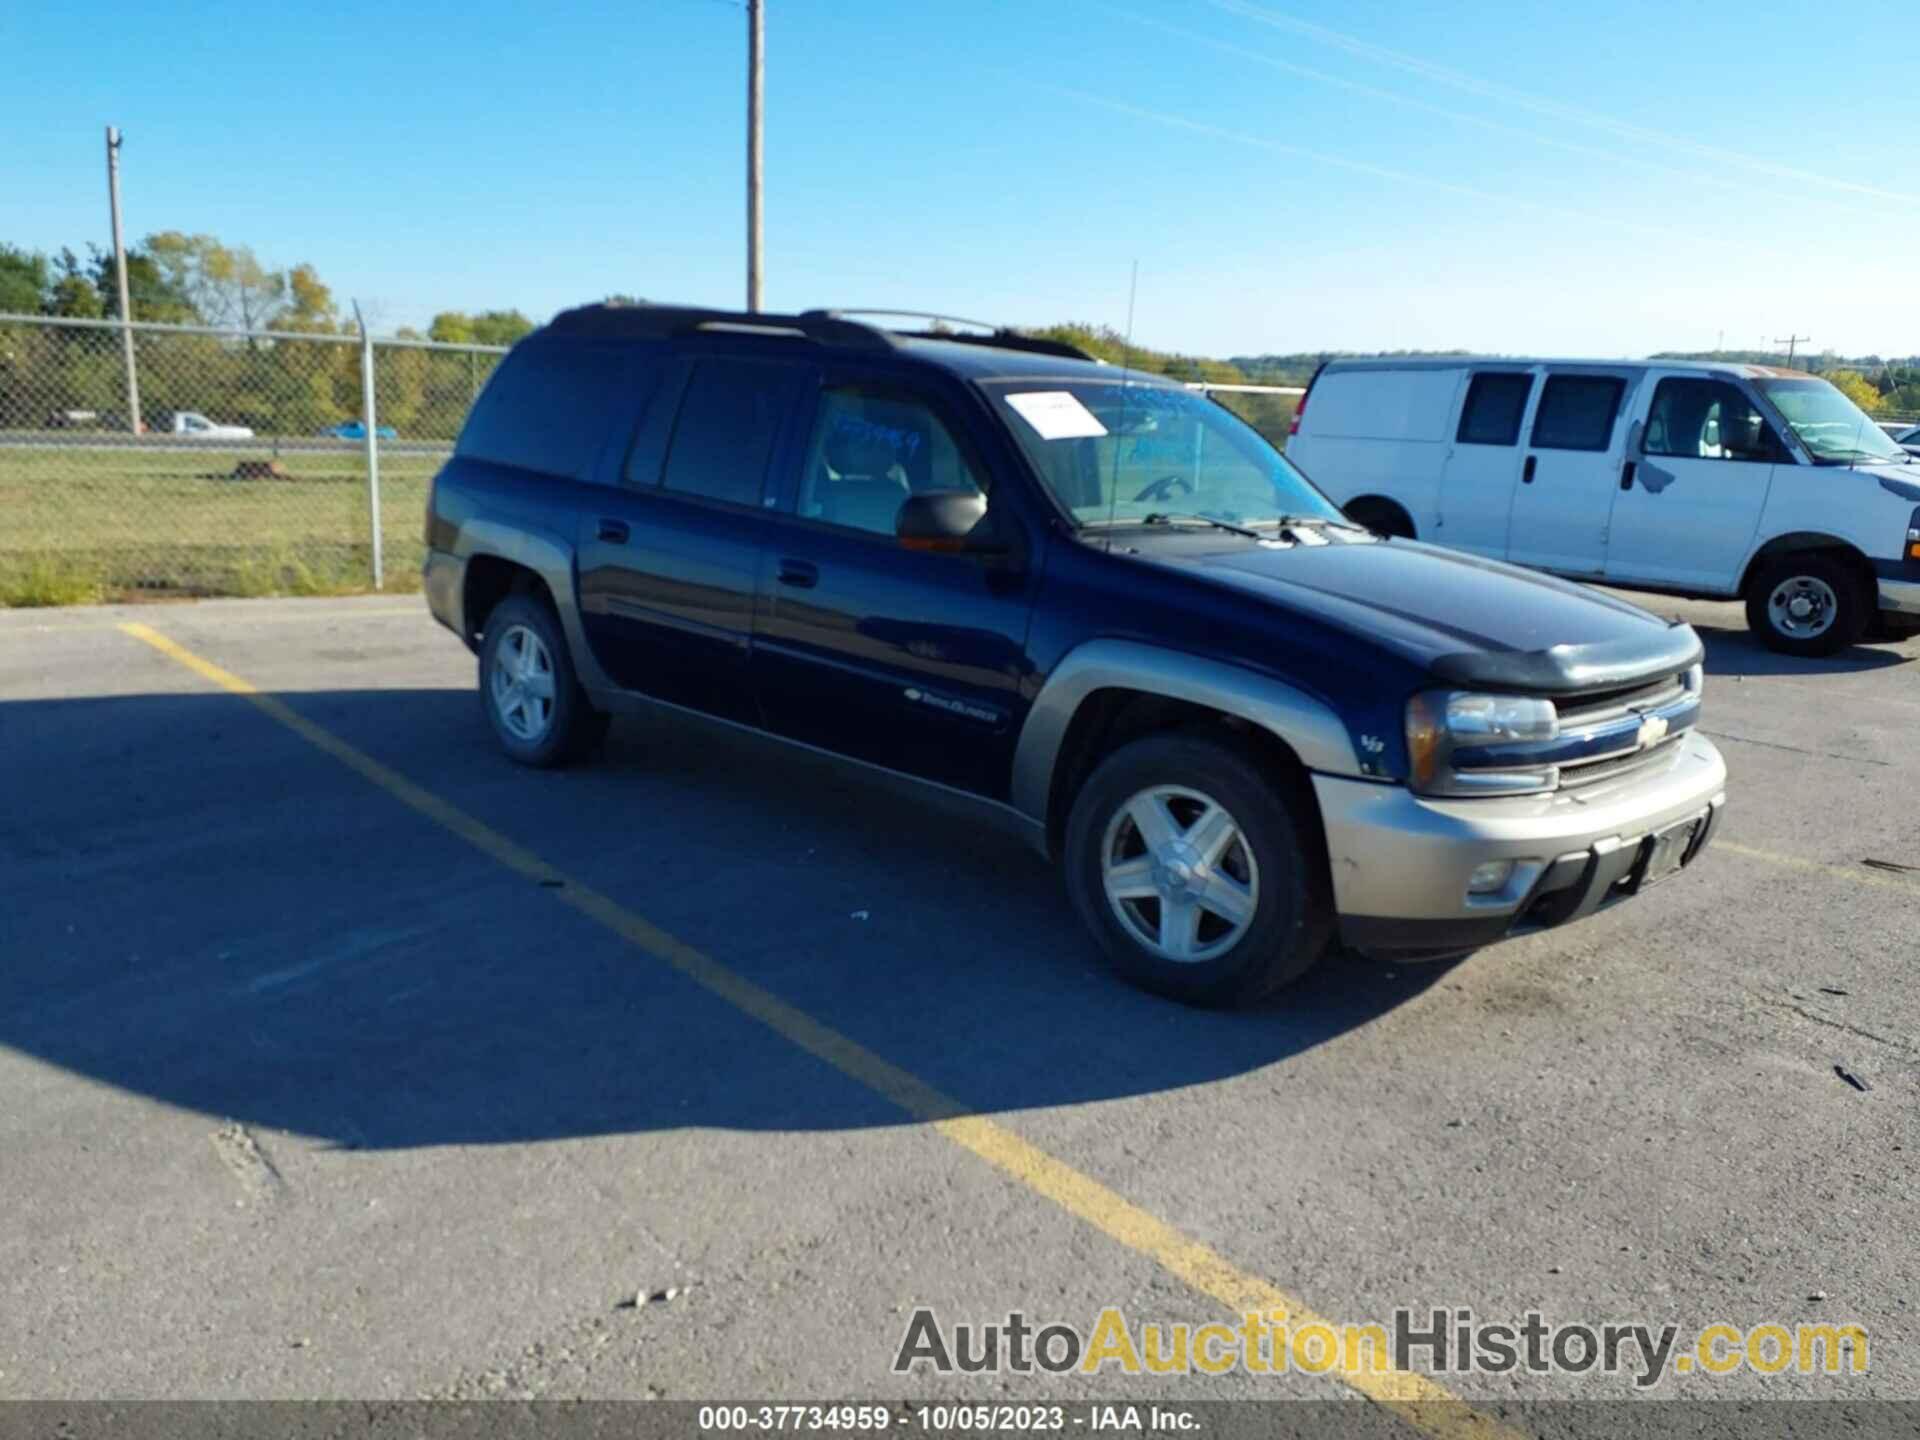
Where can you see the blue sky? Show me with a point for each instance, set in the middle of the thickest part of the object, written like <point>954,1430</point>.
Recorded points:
<point>1609,178</point>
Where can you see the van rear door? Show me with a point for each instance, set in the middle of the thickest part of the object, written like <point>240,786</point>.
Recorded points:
<point>1483,464</point>
<point>1569,470</point>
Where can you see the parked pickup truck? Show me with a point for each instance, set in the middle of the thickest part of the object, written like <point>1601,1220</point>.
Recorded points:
<point>1084,601</point>
<point>187,422</point>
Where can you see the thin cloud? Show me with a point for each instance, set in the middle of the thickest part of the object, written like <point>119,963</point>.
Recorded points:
<point>1363,167</point>
<point>1399,97</point>
<point>1541,105</point>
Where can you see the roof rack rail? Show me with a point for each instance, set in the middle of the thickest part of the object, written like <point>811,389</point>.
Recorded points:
<point>823,327</point>
<point>661,322</point>
<point>998,336</point>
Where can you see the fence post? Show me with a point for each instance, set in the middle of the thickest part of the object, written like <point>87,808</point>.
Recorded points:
<point>370,421</point>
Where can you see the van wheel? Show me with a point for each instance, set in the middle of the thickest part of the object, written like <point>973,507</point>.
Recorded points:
<point>1807,604</point>
<point>1199,870</point>
<point>1381,516</point>
<point>532,699</point>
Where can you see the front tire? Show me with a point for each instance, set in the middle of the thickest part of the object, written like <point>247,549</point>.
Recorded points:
<point>1199,870</point>
<point>528,688</point>
<point>1807,604</point>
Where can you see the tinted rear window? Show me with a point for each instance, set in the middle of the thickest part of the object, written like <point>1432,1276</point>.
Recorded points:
<point>1576,412</point>
<point>729,419</point>
<point>549,407</point>
<point>1494,406</point>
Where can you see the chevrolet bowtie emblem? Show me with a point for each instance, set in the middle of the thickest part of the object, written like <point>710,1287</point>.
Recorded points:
<point>1653,729</point>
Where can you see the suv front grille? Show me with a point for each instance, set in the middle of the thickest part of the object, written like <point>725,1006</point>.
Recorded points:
<point>1586,713</point>
<point>1580,711</point>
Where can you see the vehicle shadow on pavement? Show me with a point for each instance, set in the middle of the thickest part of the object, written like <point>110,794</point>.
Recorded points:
<point>202,908</point>
<point>1736,652</point>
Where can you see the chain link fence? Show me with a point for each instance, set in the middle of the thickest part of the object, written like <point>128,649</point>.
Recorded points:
<point>235,463</point>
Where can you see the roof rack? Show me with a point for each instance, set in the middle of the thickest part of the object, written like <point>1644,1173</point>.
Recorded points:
<point>999,337</point>
<point>822,327</point>
<point>661,322</point>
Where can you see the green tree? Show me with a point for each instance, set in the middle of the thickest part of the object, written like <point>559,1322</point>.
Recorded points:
<point>147,291</point>
<point>73,293</point>
<point>489,327</point>
<point>24,279</point>
<point>309,305</point>
<point>226,285</point>
<point>1856,387</point>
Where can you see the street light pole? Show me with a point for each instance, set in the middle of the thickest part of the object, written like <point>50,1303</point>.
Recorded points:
<point>756,68</point>
<point>120,277</point>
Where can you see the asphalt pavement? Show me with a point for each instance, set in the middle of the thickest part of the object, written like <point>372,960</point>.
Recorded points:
<point>342,1058</point>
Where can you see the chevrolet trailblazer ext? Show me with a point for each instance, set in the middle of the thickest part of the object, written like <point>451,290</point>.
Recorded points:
<point>1086,601</point>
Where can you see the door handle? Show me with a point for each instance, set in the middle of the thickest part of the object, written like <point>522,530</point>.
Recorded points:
<point>1526,470</point>
<point>1626,474</point>
<point>801,574</point>
<point>614,532</point>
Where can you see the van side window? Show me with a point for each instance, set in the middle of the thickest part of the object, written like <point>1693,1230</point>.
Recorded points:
<point>730,416</point>
<point>1576,412</point>
<point>1495,403</point>
<point>1709,420</point>
<point>870,450</point>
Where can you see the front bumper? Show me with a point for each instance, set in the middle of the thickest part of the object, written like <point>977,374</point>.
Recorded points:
<point>1900,596</point>
<point>1401,861</point>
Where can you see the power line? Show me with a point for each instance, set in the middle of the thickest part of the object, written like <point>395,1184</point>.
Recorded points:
<point>1791,341</point>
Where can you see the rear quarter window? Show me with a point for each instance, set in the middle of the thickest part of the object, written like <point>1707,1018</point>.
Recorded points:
<point>550,407</point>
<point>1381,404</point>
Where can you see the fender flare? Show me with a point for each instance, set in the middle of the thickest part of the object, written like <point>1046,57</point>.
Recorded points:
<point>1304,722</point>
<point>548,555</point>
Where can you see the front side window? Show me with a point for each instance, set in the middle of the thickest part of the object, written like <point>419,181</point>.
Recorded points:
<point>1120,450</point>
<point>1576,412</point>
<point>1495,403</point>
<point>1834,429</point>
<point>730,416</point>
<point>1708,420</point>
<point>869,451</point>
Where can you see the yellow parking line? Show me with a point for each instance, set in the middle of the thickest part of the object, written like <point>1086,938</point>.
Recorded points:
<point>1421,1402</point>
<point>1857,876</point>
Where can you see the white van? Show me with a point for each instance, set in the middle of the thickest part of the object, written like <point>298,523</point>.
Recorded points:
<point>1697,479</point>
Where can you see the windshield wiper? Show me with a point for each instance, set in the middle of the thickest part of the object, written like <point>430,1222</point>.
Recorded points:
<point>1172,517</point>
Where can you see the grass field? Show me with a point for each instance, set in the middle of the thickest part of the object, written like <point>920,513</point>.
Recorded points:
<point>80,524</point>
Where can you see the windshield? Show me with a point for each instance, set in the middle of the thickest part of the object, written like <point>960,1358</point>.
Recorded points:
<point>1831,426</point>
<point>1159,450</point>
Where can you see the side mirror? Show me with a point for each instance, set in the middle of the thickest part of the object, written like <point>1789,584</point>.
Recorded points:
<point>947,520</point>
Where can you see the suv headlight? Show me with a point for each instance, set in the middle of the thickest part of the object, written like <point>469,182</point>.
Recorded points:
<point>1445,726</point>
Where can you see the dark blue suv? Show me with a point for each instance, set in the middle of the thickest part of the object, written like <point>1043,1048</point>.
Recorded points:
<point>1088,602</point>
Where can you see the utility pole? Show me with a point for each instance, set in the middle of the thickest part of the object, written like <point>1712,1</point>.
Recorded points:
<point>120,278</point>
<point>1790,342</point>
<point>756,75</point>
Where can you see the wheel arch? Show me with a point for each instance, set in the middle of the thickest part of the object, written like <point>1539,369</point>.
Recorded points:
<point>1384,506</point>
<point>1108,692</point>
<point>1797,541</point>
<point>498,559</point>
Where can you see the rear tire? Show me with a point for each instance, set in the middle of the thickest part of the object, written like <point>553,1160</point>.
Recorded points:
<point>528,688</point>
<point>1808,603</point>
<point>1227,899</point>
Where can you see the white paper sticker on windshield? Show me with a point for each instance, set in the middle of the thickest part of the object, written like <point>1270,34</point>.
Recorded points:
<point>1057,415</point>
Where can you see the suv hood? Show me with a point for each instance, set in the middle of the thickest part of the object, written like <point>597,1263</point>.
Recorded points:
<point>1469,621</point>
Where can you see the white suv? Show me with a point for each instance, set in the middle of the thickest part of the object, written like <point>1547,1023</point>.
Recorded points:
<point>1697,479</point>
